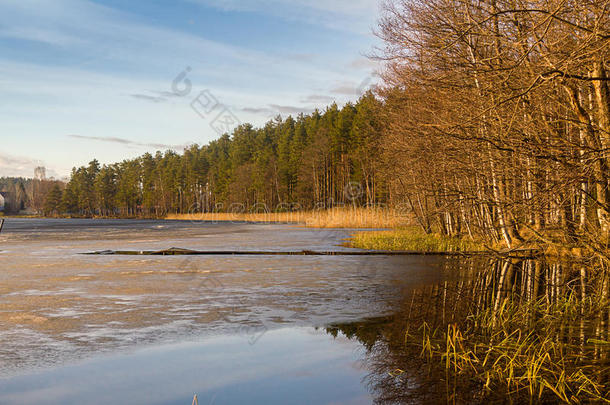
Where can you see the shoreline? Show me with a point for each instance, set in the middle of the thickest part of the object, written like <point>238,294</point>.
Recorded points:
<point>373,230</point>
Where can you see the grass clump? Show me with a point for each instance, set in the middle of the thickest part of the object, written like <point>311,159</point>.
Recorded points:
<point>413,239</point>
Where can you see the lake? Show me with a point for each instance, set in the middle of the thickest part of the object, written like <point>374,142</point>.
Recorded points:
<point>259,329</point>
<point>151,329</point>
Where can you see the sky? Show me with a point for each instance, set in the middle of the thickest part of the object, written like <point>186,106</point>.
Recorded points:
<point>113,79</point>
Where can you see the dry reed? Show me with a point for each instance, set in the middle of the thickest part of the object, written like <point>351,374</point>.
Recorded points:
<point>505,351</point>
<point>332,218</point>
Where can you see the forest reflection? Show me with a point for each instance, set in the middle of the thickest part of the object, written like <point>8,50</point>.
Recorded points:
<point>505,331</point>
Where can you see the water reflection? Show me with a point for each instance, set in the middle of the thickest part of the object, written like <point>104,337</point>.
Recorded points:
<point>288,366</point>
<point>506,332</point>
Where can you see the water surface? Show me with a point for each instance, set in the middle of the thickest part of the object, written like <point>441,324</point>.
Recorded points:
<point>74,326</point>
<point>272,329</point>
<point>290,365</point>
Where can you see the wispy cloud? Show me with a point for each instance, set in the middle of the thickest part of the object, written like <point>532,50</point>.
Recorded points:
<point>303,57</point>
<point>318,99</point>
<point>87,26</point>
<point>354,89</point>
<point>344,15</point>
<point>146,97</point>
<point>102,36</point>
<point>20,166</point>
<point>253,110</point>
<point>348,89</point>
<point>289,109</point>
<point>80,67</point>
<point>364,63</point>
<point>48,36</point>
<point>274,109</point>
<point>165,94</point>
<point>128,142</point>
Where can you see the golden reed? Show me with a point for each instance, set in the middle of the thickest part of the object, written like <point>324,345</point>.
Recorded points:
<point>330,218</point>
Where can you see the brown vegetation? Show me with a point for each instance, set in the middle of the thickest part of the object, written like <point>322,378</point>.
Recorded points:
<point>332,218</point>
<point>498,117</point>
<point>518,331</point>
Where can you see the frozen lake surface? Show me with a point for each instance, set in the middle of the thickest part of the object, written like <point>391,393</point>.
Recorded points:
<point>157,329</point>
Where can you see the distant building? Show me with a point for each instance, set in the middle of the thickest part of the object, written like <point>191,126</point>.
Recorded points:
<point>6,201</point>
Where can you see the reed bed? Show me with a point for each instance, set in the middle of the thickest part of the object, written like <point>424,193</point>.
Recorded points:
<point>539,350</point>
<point>413,239</point>
<point>357,218</point>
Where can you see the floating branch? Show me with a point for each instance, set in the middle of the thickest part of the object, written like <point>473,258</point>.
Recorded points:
<point>188,252</point>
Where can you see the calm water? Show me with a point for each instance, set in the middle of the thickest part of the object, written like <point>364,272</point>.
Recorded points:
<point>290,365</point>
<point>89,329</point>
<point>156,330</point>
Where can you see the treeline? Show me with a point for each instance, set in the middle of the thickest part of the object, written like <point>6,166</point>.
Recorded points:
<point>27,195</point>
<point>498,117</point>
<point>322,159</point>
<point>493,122</point>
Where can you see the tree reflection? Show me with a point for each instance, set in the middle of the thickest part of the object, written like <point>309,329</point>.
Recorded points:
<point>503,331</point>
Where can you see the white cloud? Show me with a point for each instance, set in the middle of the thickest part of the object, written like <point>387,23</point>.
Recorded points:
<point>129,142</point>
<point>20,166</point>
<point>38,35</point>
<point>345,15</point>
<point>108,39</point>
<point>119,70</point>
<point>365,63</point>
<point>318,98</point>
<point>290,109</point>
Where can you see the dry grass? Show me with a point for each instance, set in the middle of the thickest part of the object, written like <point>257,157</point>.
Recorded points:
<point>504,350</point>
<point>332,218</point>
<point>413,239</point>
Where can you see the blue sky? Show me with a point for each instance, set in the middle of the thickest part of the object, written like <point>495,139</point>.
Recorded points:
<point>94,79</point>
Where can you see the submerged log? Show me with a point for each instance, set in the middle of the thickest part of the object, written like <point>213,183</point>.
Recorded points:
<point>188,252</point>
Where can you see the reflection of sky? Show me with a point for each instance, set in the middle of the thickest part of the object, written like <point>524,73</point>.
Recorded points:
<point>296,366</point>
